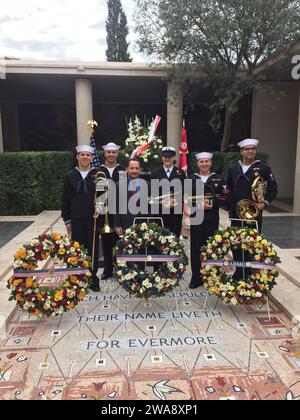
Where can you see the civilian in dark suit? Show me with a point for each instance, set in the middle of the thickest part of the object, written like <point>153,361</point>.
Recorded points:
<point>131,196</point>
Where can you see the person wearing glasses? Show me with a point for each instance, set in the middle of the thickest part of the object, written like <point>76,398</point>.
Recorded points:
<point>242,176</point>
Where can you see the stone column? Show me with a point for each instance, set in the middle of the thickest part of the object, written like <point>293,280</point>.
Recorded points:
<point>297,171</point>
<point>10,127</point>
<point>84,109</point>
<point>175,113</point>
<point>1,135</point>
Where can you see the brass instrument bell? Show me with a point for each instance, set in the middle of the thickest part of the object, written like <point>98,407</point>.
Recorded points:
<point>248,209</point>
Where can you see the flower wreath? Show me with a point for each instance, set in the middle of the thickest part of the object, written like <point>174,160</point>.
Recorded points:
<point>160,242</point>
<point>217,276</point>
<point>40,300</point>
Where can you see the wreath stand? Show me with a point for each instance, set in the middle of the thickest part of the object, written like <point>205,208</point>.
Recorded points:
<point>255,222</point>
<point>243,222</point>
<point>53,267</point>
<point>147,220</point>
<point>45,229</point>
<point>49,272</point>
<point>149,258</point>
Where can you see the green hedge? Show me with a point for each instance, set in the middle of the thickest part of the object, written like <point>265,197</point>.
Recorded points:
<point>31,182</point>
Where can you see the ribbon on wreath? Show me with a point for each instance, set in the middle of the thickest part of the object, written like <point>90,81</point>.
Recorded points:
<point>238,264</point>
<point>148,258</point>
<point>46,273</point>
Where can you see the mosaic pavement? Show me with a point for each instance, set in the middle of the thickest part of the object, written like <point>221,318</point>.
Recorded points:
<point>179,347</point>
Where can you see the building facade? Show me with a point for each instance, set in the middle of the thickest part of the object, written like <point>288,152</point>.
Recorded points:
<point>46,106</point>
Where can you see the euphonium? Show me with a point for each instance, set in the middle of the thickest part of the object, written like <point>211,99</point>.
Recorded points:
<point>259,189</point>
<point>247,209</point>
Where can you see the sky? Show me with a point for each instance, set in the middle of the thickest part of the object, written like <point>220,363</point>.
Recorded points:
<point>59,29</point>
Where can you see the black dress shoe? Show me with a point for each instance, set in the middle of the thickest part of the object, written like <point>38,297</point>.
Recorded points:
<point>106,276</point>
<point>95,284</point>
<point>95,287</point>
<point>195,283</point>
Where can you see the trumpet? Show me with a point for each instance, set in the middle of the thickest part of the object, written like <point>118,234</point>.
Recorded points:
<point>164,199</point>
<point>201,198</point>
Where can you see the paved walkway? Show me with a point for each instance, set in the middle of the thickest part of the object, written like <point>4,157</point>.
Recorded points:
<point>9,230</point>
<point>113,347</point>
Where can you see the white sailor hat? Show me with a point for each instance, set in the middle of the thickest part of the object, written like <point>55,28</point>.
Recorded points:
<point>84,148</point>
<point>204,155</point>
<point>248,142</point>
<point>168,151</point>
<point>111,147</point>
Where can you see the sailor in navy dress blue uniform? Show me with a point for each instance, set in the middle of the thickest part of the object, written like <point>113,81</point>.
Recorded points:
<point>242,176</point>
<point>112,170</point>
<point>214,198</point>
<point>78,206</point>
<point>170,172</point>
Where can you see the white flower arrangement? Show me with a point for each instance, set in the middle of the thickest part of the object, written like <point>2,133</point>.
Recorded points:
<point>138,136</point>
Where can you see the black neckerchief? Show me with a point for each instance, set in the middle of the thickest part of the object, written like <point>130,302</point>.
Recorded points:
<point>106,167</point>
<point>82,182</point>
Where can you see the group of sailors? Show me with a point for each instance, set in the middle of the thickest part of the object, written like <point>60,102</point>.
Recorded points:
<point>80,212</point>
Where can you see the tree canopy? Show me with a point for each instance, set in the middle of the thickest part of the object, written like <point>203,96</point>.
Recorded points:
<point>217,43</point>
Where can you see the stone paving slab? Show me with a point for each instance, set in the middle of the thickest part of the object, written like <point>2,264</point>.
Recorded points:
<point>8,230</point>
<point>287,291</point>
<point>42,223</point>
<point>112,347</point>
<point>283,231</point>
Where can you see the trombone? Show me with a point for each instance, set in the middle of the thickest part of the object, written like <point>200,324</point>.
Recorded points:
<point>101,185</point>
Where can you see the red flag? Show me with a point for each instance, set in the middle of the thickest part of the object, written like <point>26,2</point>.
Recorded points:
<point>183,150</point>
<point>183,163</point>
